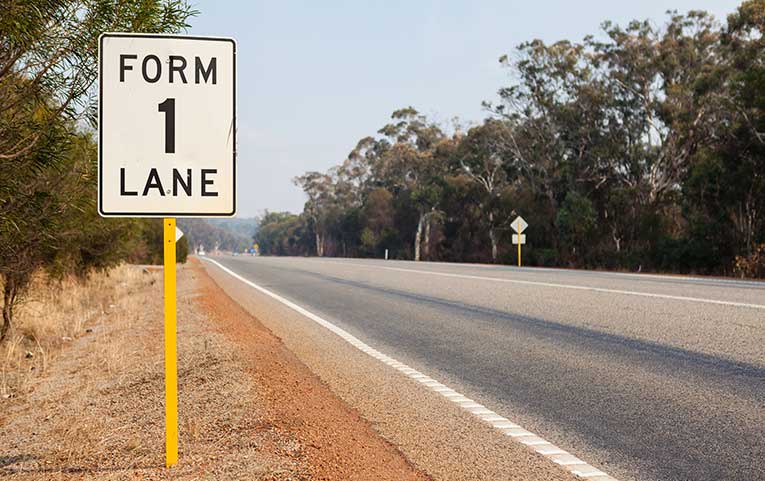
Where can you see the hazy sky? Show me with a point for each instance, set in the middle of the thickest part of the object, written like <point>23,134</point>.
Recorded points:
<point>314,77</point>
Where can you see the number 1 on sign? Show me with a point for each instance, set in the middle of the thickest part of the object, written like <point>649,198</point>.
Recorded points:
<point>168,107</point>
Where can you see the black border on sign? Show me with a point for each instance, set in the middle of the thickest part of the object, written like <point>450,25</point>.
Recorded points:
<point>101,212</point>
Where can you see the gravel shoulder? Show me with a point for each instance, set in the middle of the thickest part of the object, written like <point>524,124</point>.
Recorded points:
<point>436,435</point>
<point>249,408</point>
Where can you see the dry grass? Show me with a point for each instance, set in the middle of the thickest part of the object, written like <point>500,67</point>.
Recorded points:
<point>55,313</point>
<point>248,409</point>
<point>97,411</point>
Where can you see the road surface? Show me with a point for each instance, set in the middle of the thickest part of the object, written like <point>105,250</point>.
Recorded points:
<point>646,377</point>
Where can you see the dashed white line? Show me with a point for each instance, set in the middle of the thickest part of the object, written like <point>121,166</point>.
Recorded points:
<point>566,286</point>
<point>515,432</point>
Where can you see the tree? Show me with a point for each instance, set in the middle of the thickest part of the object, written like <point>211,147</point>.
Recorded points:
<point>378,221</point>
<point>641,148</point>
<point>485,156</point>
<point>576,221</point>
<point>320,191</point>
<point>48,64</point>
<point>282,233</point>
<point>149,236</point>
<point>49,59</point>
<point>740,153</point>
<point>413,162</point>
<point>202,233</point>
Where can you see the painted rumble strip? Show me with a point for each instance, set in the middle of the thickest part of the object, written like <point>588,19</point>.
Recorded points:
<point>559,456</point>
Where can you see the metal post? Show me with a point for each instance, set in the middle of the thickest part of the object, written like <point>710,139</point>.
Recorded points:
<point>171,367</point>
<point>519,250</point>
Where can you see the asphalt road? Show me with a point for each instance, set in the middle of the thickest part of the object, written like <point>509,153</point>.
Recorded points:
<point>646,377</point>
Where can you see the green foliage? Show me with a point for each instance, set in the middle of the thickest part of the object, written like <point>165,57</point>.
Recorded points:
<point>282,234</point>
<point>378,216</point>
<point>576,222</point>
<point>182,250</point>
<point>149,245</point>
<point>243,227</point>
<point>48,66</point>
<point>642,148</point>
<point>209,235</point>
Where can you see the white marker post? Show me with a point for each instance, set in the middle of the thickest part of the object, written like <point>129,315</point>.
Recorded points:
<point>519,225</point>
<point>167,148</point>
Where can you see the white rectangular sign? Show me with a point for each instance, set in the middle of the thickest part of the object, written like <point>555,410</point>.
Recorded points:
<point>167,126</point>
<point>522,239</point>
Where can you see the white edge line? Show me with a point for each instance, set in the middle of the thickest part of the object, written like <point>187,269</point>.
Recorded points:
<point>567,286</point>
<point>546,449</point>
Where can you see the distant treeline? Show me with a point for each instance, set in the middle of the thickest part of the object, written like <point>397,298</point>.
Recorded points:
<point>225,234</point>
<point>48,155</point>
<point>244,226</point>
<point>638,148</point>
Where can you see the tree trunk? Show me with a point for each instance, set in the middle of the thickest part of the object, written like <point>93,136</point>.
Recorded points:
<point>9,298</point>
<point>492,237</point>
<point>418,237</point>
<point>426,240</point>
<point>319,247</point>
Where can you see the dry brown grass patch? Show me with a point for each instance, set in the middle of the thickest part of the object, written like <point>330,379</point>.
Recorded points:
<point>55,313</point>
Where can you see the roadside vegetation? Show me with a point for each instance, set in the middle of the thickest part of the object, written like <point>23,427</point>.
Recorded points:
<point>233,235</point>
<point>56,314</point>
<point>48,153</point>
<point>641,147</point>
<point>82,383</point>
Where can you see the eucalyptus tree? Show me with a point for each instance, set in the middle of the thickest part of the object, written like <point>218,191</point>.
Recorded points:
<point>414,161</point>
<point>729,189</point>
<point>334,195</point>
<point>656,79</point>
<point>614,119</point>
<point>320,190</point>
<point>485,156</point>
<point>554,116</point>
<point>642,146</point>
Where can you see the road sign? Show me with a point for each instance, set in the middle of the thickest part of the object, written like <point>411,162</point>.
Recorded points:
<point>167,148</point>
<point>519,225</point>
<point>167,126</point>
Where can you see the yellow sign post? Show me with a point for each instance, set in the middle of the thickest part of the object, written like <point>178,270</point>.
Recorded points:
<point>519,225</point>
<point>171,367</point>
<point>519,254</point>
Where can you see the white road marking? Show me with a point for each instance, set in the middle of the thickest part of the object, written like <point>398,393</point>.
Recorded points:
<point>512,430</point>
<point>589,474</point>
<point>547,270</point>
<point>537,442</point>
<point>549,452</point>
<point>565,286</point>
